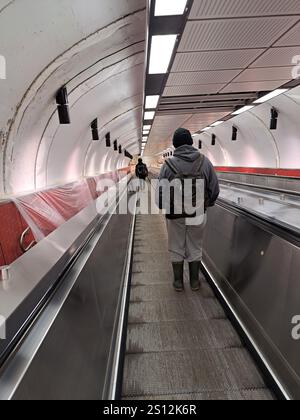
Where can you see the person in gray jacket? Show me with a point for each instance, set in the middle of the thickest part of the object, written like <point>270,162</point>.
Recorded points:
<point>186,233</point>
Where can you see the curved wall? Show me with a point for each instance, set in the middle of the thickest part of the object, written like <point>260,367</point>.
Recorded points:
<point>96,49</point>
<point>258,146</point>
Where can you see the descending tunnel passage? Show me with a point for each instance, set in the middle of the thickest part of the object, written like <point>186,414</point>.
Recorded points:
<point>87,304</point>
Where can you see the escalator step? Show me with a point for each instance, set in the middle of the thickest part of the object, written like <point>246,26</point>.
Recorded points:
<point>178,336</point>
<point>190,371</point>
<point>249,395</point>
<point>185,309</point>
<point>166,291</point>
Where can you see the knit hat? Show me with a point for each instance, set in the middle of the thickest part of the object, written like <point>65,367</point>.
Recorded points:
<point>182,137</point>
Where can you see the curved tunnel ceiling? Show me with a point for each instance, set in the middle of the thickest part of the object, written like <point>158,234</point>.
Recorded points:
<point>98,51</point>
<point>231,52</point>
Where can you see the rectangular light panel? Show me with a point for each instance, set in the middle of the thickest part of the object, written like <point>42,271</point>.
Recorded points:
<point>152,101</point>
<point>217,123</point>
<point>242,110</point>
<point>270,95</point>
<point>162,47</point>
<point>149,115</point>
<point>170,7</point>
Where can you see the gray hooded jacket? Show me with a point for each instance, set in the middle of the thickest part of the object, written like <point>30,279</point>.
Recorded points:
<point>186,160</point>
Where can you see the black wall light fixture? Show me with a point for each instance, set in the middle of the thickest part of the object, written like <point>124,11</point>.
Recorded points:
<point>63,106</point>
<point>94,127</point>
<point>274,119</point>
<point>128,155</point>
<point>107,140</point>
<point>213,139</point>
<point>115,145</point>
<point>234,133</point>
<point>120,150</point>
<point>200,145</point>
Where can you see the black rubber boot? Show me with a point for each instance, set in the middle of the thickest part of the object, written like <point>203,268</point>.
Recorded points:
<point>178,276</point>
<point>194,275</point>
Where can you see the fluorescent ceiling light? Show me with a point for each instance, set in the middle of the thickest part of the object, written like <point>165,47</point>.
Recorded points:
<point>206,129</point>
<point>149,115</point>
<point>244,109</point>
<point>162,47</point>
<point>270,95</point>
<point>147,127</point>
<point>145,138</point>
<point>217,123</point>
<point>170,7</point>
<point>146,133</point>
<point>152,101</point>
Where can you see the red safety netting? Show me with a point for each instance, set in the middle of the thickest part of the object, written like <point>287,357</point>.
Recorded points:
<point>45,211</point>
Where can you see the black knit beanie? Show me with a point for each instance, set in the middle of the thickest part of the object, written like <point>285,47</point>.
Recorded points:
<point>182,137</point>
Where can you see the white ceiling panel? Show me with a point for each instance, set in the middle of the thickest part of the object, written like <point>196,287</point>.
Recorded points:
<point>201,77</point>
<point>199,121</point>
<point>162,131</point>
<point>193,90</point>
<point>168,122</point>
<point>266,73</point>
<point>292,38</point>
<point>215,60</point>
<point>277,57</point>
<point>253,86</point>
<point>198,118</point>
<point>204,9</point>
<point>234,33</point>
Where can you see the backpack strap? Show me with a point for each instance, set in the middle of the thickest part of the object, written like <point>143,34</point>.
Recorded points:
<point>201,162</point>
<point>173,168</point>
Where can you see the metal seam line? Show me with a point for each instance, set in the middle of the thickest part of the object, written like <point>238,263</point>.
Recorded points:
<point>242,325</point>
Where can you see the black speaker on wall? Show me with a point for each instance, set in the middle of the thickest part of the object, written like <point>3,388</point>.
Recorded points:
<point>94,127</point>
<point>107,140</point>
<point>128,155</point>
<point>274,119</point>
<point>213,139</point>
<point>115,145</point>
<point>234,133</point>
<point>63,106</point>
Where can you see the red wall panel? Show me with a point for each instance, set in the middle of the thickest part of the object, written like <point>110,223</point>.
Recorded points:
<point>66,201</point>
<point>290,173</point>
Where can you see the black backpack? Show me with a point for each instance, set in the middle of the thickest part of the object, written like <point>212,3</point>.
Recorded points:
<point>182,177</point>
<point>142,171</point>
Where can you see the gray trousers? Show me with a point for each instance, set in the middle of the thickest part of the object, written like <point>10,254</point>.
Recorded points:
<point>185,242</point>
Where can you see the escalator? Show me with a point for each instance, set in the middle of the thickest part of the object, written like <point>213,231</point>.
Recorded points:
<point>231,340</point>
<point>180,346</point>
